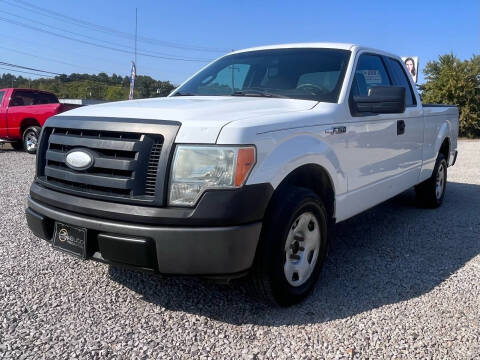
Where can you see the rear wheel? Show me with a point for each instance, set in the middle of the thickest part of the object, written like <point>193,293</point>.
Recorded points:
<point>431,192</point>
<point>30,139</point>
<point>292,249</point>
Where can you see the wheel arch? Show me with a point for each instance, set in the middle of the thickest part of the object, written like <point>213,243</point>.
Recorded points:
<point>314,177</point>
<point>442,142</point>
<point>26,123</point>
<point>445,148</point>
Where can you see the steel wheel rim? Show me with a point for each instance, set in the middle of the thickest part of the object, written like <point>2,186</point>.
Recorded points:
<point>31,141</point>
<point>301,249</point>
<point>440,181</point>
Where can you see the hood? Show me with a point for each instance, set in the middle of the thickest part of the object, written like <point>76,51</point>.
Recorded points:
<point>201,117</point>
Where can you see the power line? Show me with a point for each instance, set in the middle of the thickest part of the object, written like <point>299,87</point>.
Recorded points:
<point>42,57</point>
<point>54,73</point>
<point>42,76</point>
<point>109,43</point>
<point>97,45</point>
<point>27,72</point>
<point>70,52</point>
<point>69,19</point>
<point>27,68</point>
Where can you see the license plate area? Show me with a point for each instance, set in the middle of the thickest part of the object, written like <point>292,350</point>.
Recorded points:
<point>71,239</point>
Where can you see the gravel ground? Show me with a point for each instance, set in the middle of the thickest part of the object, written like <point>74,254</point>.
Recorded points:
<point>401,282</point>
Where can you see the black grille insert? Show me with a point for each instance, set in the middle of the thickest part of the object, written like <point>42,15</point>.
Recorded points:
<point>152,169</point>
<point>126,164</point>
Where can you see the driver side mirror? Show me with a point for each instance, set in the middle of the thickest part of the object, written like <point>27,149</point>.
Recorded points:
<point>381,100</point>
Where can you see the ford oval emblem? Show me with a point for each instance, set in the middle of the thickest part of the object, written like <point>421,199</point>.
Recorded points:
<point>79,159</point>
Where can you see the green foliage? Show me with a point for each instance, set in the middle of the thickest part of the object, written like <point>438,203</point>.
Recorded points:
<point>452,81</point>
<point>86,86</point>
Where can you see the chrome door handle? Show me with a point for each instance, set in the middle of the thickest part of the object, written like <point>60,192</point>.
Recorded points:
<point>336,130</point>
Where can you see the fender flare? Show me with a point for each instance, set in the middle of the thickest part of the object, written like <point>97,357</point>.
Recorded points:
<point>443,133</point>
<point>295,152</point>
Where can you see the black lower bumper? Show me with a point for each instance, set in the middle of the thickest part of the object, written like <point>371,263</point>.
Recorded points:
<point>205,251</point>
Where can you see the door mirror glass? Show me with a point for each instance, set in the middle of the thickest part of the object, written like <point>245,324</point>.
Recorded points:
<point>381,100</point>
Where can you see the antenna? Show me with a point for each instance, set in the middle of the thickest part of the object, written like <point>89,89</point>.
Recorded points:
<point>136,26</point>
<point>233,77</point>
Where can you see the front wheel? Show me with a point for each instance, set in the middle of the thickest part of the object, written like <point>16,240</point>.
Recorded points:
<point>30,139</point>
<point>431,192</point>
<point>292,249</point>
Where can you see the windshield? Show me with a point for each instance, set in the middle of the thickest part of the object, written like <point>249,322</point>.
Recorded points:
<point>310,74</point>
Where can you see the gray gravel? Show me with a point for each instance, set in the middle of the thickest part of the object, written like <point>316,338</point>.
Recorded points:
<point>401,282</point>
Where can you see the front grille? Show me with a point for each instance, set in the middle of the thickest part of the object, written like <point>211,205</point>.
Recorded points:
<point>125,163</point>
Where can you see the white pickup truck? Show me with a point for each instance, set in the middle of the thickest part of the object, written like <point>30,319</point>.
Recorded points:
<point>244,168</point>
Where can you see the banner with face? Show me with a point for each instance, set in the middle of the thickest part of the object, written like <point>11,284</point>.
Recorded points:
<point>411,62</point>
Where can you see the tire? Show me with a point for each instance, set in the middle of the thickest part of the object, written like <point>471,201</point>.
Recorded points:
<point>17,145</point>
<point>292,248</point>
<point>30,139</point>
<point>431,192</point>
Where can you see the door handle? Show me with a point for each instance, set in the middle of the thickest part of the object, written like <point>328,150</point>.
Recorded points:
<point>336,130</point>
<point>400,127</point>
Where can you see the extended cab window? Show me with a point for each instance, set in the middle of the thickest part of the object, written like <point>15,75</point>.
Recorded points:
<point>26,98</point>
<point>2,94</point>
<point>370,72</point>
<point>310,74</point>
<point>400,78</point>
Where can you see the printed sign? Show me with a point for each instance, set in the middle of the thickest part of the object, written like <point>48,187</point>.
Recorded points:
<point>372,77</point>
<point>411,62</point>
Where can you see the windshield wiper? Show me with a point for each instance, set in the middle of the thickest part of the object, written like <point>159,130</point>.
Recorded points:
<point>251,92</point>
<point>178,93</point>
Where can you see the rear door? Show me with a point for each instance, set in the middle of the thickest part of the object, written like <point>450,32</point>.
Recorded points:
<point>411,140</point>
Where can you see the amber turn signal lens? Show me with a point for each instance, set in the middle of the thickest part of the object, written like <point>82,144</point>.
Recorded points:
<point>245,162</point>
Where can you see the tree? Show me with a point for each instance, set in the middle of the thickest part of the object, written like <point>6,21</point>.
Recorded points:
<point>452,81</point>
<point>115,93</point>
<point>86,86</point>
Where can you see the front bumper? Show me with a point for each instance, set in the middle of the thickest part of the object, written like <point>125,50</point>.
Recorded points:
<point>182,250</point>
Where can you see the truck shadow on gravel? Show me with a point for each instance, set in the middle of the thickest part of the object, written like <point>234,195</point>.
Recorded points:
<point>391,253</point>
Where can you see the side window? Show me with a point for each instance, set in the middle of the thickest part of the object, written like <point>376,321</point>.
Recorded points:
<point>27,98</point>
<point>400,78</point>
<point>230,77</point>
<point>370,72</point>
<point>44,98</point>
<point>2,94</point>
<point>21,98</point>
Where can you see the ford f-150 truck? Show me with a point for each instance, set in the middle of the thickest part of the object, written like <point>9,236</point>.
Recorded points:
<point>245,168</point>
<point>23,112</point>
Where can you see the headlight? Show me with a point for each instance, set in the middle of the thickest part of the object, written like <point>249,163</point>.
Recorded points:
<point>197,168</point>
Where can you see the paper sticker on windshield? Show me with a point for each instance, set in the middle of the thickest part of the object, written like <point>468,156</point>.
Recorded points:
<point>372,76</point>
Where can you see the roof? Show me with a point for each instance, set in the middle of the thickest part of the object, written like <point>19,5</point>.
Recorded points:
<point>324,45</point>
<point>27,89</point>
<point>328,45</point>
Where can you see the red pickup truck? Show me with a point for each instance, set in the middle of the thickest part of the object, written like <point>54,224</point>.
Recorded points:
<point>23,112</point>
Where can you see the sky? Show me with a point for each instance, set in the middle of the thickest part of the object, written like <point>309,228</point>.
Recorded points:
<point>177,38</point>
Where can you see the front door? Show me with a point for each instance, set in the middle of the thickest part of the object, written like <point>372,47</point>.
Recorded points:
<point>3,115</point>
